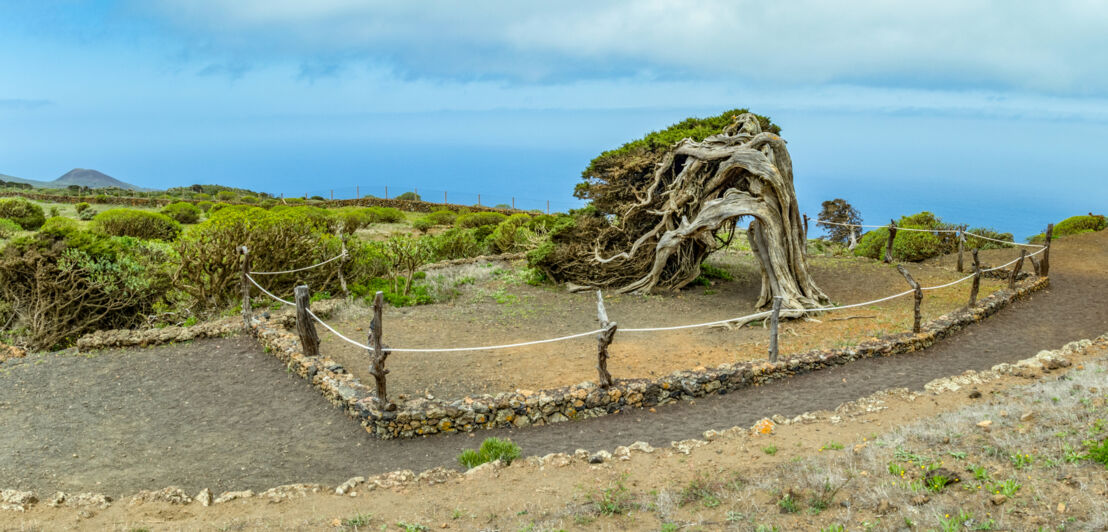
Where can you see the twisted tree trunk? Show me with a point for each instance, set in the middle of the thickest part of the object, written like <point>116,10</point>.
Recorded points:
<point>699,191</point>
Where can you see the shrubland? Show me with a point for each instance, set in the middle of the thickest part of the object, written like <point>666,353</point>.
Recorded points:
<point>130,267</point>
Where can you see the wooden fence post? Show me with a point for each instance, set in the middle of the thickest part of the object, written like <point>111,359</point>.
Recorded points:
<point>305,326</point>
<point>478,200</point>
<point>961,245</point>
<point>889,245</point>
<point>1016,269</point>
<point>386,192</point>
<point>357,192</point>
<point>444,197</point>
<point>1045,268</point>
<point>853,239</point>
<point>919,296</point>
<point>602,341</point>
<point>379,352</point>
<point>513,202</point>
<point>342,262</point>
<point>1035,266</point>
<point>245,286</point>
<point>773,320</point>
<point>806,230</point>
<point>547,206</point>
<point>976,279</point>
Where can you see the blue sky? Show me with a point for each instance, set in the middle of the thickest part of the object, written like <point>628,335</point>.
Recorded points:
<point>992,113</point>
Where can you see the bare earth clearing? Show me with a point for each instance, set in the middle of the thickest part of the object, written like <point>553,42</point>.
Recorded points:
<point>504,310</point>
<point>220,414</point>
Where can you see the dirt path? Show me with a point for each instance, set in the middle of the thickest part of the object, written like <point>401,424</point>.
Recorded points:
<point>220,414</point>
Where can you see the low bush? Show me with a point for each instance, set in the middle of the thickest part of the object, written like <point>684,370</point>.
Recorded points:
<point>64,282</point>
<point>183,212</point>
<point>973,242</point>
<point>249,199</point>
<point>479,219</point>
<point>386,215</point>
<point>456,243</point>
<point>81,207</point>
<point>910,246</point>
<point>353,218</point>
<point>87,214</point>
<point>443,217</point>
<point>491,449</point>
<point>512,235</point>
<point>8,228</point>
<point>28,215</point>
<point>423,224</point>
<point>138,224</point>
<point>204,205</point>
<point>59,226</point>
<point>409,196</point>
<point>1073,225</point>
<point>225,195</point>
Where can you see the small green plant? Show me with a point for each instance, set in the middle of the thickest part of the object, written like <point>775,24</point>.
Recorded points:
<point>616,499</point>
<point>1098,452</point>
<point>836,527</point>
<point>190,321</point>
<point>1007,488</point>
<point>701,488</point>
<point>1021,461</point>
<point>896,469</point>
<point>491,449</point>
<point>358,520</point>
<point>770,450</point>
<point>980,473</point>
<point>412,527</point>
<point>832,445</point>
<point>788,504</point>
<point>936,483</point>
<point>670,527</point>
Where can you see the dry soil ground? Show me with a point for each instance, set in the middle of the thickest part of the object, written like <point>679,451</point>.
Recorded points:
<point>220,414</point>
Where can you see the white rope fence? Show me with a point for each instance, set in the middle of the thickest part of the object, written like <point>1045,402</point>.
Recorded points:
<point>337,257</point>
<point>983,237</point>
<point>749,317</point>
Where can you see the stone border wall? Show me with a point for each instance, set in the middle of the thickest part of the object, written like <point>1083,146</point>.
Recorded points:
<point>422,417</point>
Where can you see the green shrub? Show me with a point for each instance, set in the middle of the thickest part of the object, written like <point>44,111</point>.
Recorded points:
<point>28,215</point>
<point>204,205</point>
<point>910,246</point>
<point>138,224</point>
<point>478,219</point>
<point>225,195</point>
<point>87,214</point>
<point>81,207</point>
<point>973,242</point>
<point>183,212</point>
<point>59,226</point>
<point>202,196</point>
<point>353,218</point>
<point>423,224</point>
<point>409,196</point>
<point>64,282</point>
<point>385,215</point>
<point>8,228</point>
<point>293,201</point>
<point>491,449</point>
<point>512,235</point>
<point>217,207</point>
<point>249,199</point>
<point>443,217</point>
<point>278,240</point>
<point>456,243</point>
<point>1074,225</point>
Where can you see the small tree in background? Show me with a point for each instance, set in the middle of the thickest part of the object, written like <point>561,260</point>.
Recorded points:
<point>841,212</point>
<point>409,196</point>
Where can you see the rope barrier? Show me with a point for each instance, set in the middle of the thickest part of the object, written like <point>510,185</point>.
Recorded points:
<point>629,330</point>
<point>1006,242</point>
<point>885,226</point>
<point>339,256</point>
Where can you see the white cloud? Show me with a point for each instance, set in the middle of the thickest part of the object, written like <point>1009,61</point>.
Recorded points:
<point>1043,47</point>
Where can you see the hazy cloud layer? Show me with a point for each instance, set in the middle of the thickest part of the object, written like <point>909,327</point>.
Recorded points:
<point>1052,48</point>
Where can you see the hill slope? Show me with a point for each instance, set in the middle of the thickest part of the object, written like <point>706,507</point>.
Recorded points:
<point>77,176</point>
